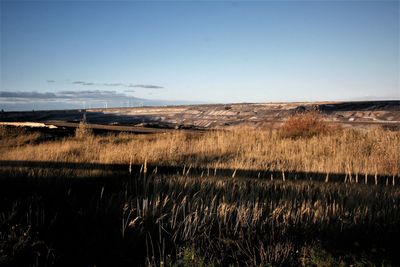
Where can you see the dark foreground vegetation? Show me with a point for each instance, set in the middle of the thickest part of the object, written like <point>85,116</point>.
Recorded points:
<point>138,220</point>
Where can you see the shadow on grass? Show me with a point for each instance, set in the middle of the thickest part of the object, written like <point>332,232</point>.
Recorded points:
<point>197,171</point>
<point>65,221</point>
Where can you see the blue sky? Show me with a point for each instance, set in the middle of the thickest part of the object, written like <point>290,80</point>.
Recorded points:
<point>197,51</point>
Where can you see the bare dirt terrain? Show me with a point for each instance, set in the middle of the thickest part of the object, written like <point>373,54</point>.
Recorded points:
<point>195,117</point>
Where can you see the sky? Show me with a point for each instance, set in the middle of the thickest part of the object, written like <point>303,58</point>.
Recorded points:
<point>74,54</point>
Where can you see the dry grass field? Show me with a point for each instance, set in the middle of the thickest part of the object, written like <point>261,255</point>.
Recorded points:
<point>76,215</point>
<point>303,144</point>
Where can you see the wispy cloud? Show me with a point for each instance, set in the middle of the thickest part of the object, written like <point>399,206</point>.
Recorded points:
<point>33,100</point>
<point>51,81</point>
<point>118,84</point>
<point>91,94</point>
<point>82,83</point>
<point>115,84</point>
<point>28,95</point>
<point>147,86</point>
<point>81,95</point>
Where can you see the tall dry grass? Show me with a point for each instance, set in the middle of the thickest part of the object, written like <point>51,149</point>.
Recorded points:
<point>154,219</point>
<point>224,216</point>
<point>83,131</point>
<point>225,221</point>
<point>16,137</point>
<point>357,152</point>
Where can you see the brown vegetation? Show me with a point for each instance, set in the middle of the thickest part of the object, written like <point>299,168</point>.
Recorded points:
<point>147,218</point>
<point>347,151</point>
<point>83,131</point>
<point>307,124</point>
<point>16,137</point>
<point>159,220</point>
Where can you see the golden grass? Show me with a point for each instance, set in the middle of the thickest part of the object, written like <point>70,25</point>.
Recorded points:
<point>375,151</point>
<point>16,137</point>
<point>245,222</point>
<point>83,131</point>
<point>236,211</point>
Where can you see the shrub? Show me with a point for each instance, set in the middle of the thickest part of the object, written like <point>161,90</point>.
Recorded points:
<point>306,124</point>
<point>83,131</point>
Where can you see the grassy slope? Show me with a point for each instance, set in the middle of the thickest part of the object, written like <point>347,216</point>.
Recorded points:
<point>343,151</point>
